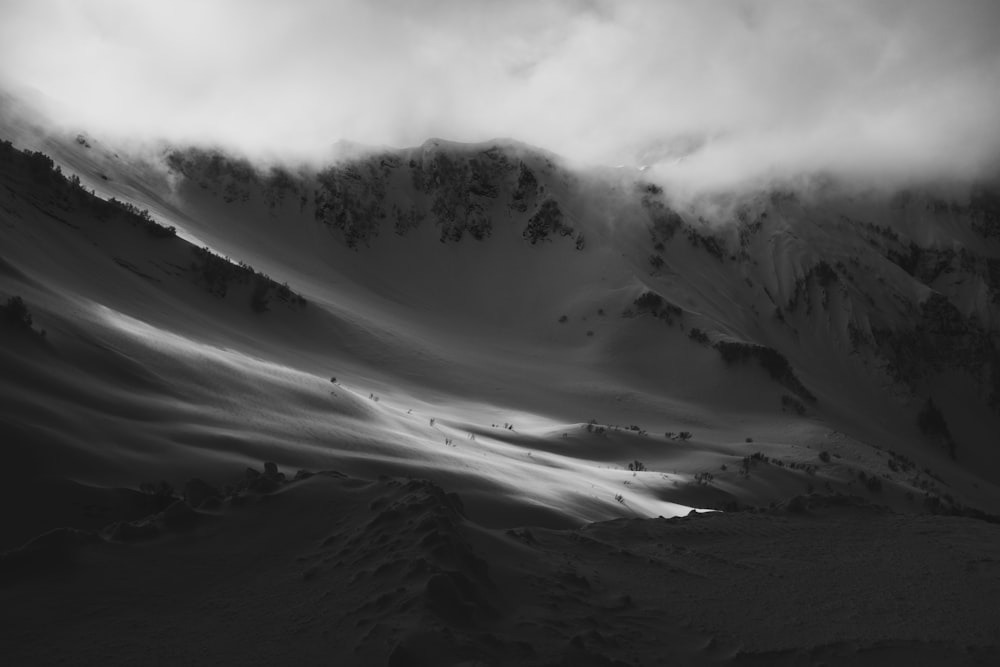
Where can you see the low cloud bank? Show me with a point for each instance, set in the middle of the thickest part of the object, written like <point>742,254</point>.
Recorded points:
<point>711,95</point>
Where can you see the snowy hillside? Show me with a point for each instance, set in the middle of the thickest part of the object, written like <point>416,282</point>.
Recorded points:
<point>493,281</point>
<point>556,346</point>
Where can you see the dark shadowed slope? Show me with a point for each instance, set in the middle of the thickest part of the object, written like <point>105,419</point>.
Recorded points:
<point>328,568</point>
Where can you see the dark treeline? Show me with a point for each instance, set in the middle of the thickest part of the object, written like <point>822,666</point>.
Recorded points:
<point>42,172</point>
<point>41,175</point>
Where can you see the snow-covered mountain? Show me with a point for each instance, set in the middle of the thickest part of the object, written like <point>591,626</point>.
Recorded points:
<point>557,345</point>
<point>492,274</point>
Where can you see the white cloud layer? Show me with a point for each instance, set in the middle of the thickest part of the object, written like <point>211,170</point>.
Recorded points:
<point>717,92</point>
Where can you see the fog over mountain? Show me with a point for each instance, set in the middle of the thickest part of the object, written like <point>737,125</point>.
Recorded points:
<point>523,333</point>
<point>891,90</point>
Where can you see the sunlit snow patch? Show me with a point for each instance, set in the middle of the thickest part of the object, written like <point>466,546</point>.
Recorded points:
<point>478,446</point>
<point>177,345</point>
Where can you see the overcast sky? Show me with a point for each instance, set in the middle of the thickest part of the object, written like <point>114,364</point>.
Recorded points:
<point>716,91</point>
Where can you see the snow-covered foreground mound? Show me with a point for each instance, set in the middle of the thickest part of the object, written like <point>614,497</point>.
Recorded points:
<point>329,568</point>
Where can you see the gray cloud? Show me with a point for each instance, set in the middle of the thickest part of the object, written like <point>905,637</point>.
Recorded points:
<point>716,93</point>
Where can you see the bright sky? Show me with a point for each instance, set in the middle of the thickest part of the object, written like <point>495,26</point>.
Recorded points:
<point>738,88</point>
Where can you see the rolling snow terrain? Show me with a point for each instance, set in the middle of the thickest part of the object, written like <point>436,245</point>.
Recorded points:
<point>496,397</point>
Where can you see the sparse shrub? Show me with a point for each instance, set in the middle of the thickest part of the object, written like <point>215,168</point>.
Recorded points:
<point>563,319</point>
<point>650,301</point>
<point>684,435</point>
<point>620,498</point>
<point>16,313</point>
<point>215,274</point>
<point>548,220</point>
<point>698,336</point>
<point>748,440</point>
<point>704,478</point>
<point>711,244</point>
<point>350,197</point>
<point>527,187</point>
<point>637,466</point>
<point>824,456</point>
<point>771,360</point>
<point>159,231</point>
<point>16,316</point>
<point>752,460</point>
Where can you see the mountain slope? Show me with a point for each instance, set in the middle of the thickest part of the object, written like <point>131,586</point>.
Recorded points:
<point>438,278</point>
<point>905,286</point>
<point>570,351</point>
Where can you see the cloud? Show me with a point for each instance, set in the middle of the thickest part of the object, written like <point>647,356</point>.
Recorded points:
<point>714,93</point>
